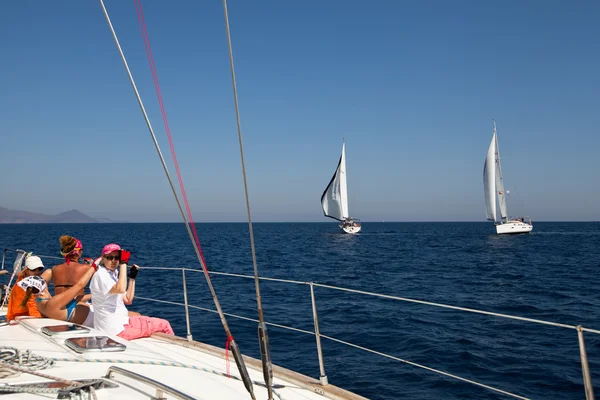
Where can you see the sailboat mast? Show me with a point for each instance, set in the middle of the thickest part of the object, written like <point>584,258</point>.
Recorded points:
<point>500,192</point>
<point>344,184</point>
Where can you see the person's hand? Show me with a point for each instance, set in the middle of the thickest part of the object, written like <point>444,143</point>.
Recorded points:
<point>93,263</point>
<point>124,256</point>
<point>134,271</point>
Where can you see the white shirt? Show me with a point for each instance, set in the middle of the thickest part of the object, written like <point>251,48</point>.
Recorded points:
<point>89,320</point>
<point>110,313</point>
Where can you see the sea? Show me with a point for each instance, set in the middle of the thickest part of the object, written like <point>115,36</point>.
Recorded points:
<point>550,274</point>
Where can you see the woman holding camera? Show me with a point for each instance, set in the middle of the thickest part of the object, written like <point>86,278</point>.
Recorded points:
<point>110,293</point>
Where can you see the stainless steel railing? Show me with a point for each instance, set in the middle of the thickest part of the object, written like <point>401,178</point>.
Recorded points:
<point>323,377</point>
<point>589,392</point>
<point>161,388</point>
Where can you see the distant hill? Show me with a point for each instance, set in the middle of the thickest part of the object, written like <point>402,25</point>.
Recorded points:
<point>24,217</point>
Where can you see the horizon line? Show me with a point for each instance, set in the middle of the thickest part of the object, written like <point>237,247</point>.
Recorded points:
<point>269,222</point>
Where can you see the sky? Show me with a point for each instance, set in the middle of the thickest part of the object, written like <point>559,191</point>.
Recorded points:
<point>412,87</point>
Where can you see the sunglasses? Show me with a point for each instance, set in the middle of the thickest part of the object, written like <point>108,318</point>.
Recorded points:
<point>111,258</point>
<point>38,269</point>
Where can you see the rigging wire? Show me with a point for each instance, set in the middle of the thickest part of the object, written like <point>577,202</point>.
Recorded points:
<point>195,242</point>
<point>263,337</point>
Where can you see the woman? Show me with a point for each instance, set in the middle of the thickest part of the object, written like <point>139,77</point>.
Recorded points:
<point>110,292</point>
<point>18,306</point>
<point>65,275</point>
<point>61,306</point>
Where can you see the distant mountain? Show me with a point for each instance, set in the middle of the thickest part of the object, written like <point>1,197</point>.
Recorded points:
<point>24,217</point>
<point>107,220</point>
<point>72,216</point>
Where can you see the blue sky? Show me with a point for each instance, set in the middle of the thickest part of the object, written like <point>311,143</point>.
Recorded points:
<point>413,88</point>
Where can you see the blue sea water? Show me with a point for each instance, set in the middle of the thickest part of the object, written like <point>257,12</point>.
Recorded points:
<point>550,274</point>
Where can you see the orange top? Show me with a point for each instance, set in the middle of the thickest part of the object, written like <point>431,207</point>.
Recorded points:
<point>14,303</point>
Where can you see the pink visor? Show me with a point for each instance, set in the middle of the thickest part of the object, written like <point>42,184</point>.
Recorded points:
<point>109,248</point>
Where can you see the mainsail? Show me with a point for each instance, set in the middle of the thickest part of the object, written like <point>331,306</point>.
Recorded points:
<point>493,186</point>
<point>489,181</point>
<point>335,197</point>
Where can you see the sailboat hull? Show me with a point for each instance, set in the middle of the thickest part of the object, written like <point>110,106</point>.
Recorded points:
<point>351,228</point>
<point>514,227</point>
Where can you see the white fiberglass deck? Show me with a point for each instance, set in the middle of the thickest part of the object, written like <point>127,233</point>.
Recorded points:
<point>202,376</point>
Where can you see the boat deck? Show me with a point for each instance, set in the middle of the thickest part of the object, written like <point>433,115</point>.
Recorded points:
<point>194,369</point>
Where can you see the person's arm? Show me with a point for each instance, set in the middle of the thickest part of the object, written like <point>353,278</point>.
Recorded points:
<point>47,275</point>
<point>61,300</point>
<point>128,297</point>
<point>85,298</point>
<point>4,272</point>
<point>121,285</point>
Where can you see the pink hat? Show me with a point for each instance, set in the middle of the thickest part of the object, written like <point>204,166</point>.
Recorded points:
<point>109,248</point>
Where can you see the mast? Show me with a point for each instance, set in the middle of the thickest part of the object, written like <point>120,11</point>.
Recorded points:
<point>344,184</point>
<point>500,192</point>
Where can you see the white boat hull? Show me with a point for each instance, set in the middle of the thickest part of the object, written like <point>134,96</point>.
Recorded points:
<point>514,227</point>
<point>351,228</point>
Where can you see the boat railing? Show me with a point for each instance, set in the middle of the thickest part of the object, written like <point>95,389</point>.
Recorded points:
<point>318,335</point>
<point>161,388</point>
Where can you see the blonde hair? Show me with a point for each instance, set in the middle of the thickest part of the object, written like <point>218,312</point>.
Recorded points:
<point>67,243</point>
<point>28,294</point>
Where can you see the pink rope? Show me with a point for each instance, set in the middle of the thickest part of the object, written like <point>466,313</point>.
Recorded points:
<point>142,21</point>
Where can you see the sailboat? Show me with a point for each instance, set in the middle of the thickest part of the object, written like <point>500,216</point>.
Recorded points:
<point>335,198</point>
<point>495,195</point>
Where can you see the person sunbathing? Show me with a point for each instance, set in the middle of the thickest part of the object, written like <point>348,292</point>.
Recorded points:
<point>61,306</point>
<point>64,275</point>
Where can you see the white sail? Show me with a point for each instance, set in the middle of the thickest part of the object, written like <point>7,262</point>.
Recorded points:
<point>499,184</point>
<point>335,197</point>
<point>489,181</point>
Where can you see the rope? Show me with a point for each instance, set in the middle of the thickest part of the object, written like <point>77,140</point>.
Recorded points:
<point>13,362</point>
<point>10,357</point>
<point>166,170</point>
<point>188,224</point>
<point>143,28</point>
